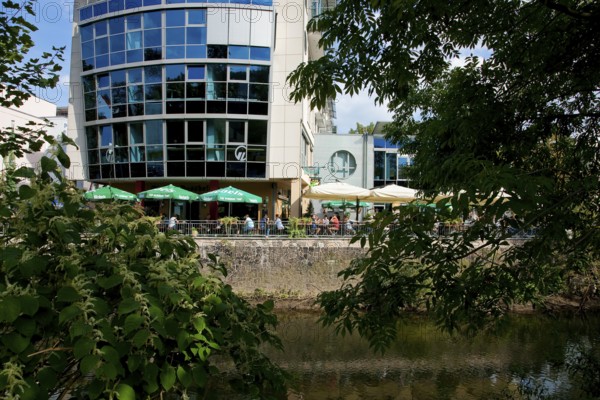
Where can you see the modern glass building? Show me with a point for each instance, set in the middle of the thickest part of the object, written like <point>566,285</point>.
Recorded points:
<point>193,93</point>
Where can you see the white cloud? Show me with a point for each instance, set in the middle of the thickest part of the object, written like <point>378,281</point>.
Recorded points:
<point>360,108</point>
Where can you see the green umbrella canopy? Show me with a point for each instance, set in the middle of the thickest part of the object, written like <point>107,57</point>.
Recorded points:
<point>230,195</point>
<point>343,203</point>
<point>109,193</point>
<point>169,192</point>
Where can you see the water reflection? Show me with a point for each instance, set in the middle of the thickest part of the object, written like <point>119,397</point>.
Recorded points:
<point>527,356</point>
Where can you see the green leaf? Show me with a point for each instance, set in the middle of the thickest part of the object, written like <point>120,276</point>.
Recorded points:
<point>110,282</point>
<point>62,157</point>
<point>69,313</point>
<point>15,342</point>
<point>29,304</point>
<point>46,378</point>
<point>184,377</point>
<point>83,347</point>
<point>10,309</point>
<point>200,375</point>
<point>128,305</point>
<point>167,376</point>
<point>132,322</point>
<point>140,338</point>
<point>26,192</point>
<point>48,164</point>
<point>125,392</point>
<point>68,294</point>
<point>25,326</point>
<point>89,363</point>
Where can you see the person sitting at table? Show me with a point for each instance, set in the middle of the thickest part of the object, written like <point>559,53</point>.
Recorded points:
<point>348,226</point>
<point>248,224</point>
<point>315,223</point>
<point>264,224</point>
<point>173,221</point>
<point>334,224</point>
<point>279,225</point>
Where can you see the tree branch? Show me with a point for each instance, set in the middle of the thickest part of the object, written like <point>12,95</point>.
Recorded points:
<point>561,8</point>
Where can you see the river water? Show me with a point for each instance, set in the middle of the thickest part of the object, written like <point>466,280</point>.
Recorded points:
<point>528,356</point>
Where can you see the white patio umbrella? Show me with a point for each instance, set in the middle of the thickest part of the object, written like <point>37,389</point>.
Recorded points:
<point>338,191</point>
<point>393,194</point>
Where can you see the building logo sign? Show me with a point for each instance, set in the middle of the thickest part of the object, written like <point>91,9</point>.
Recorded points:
<point>240,153</point>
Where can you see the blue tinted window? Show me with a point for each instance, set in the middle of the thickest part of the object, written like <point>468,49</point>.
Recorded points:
<point>152,38</point>
<point>239,52</point>
<point>117,43</point>
<point>117,78</point>
<point>263,2</point>
<point>134,40</point>
<point>134,75</point>
<point>260,53</point>
<point>87,32</point>
<point>103,80</point>
<point>195,72</point>
<point>196,35</point>
<point>175,72</point>
<point>175,36</point>
<point>153,74</point>
<point>100,9</point>
<point>87,49</point>
<point>175,17</point>
<point>152,53</point>
<point>135,56</point>
<point>116,5</point>
<point>117,25</point>
<point>135,94</point>
<point>134,22</point>
<point>175,52</point>
<point>129,4</point>
<point>152,2</point>
<point>101,28</point>
<point>152,20</point>
<point>117,58</point>
<point>379,142</point>
<point>175,1</point>
<point>86,13</point>
<point>390,144</point>
<point>101,45</point>
<point>106,138</point>
<point>196,52</point>
<point>87,64</point>
<point>197,17</point>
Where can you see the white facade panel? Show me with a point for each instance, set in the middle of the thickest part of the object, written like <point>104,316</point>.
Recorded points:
<point>217,26</point>
<point>261,28</point>
<point>239,26</point>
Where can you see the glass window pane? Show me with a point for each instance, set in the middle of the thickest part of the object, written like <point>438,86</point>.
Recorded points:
<point>116,5</point>
<point>152,20</point>
<point>93,157</point>
<point>153,92</point>
<point>87,33</point>
<point>122,154</point>
<point>117,78</point>
<point>89,83</point>
<point>195,131</point>
<point>175,72</point>
<point>120,134</point>
<point>134,40</point>
<point>196,51</point>
<point>137,153</point>
<point>134,75</point>
<point>90,100</point>
<point>196,35</point>
<point>103,80</point>
<point>260,53</point>
<point>117,58</point>
<point>257,154</point>
<point>135,56</point>
<point>175,17</point>
<point>197,17</point>
<point>175,52</point>
<point>176,90</point>
<point>135,109</point>
<point>134,22</point>
<point>153,74</point>
<point>152,53</point>
<point>154,153</point>
<point>101,45</point>
<point>216,91</point>
<point>135,94</point>
<point>237,91</point>
<point>87,49</point>
<point>259,92</point>
<point>129,4</point>
<point>215,131</point>
<point>88,64</point>
<point>153,108</point>
<point>216,72</point>
<point>216,51</point>
<point>100,9</point>
<point>100,28</point>
<point>91,134</point>
<point>102,61</point>
<point>175,153</point>
<point>257,132</point>
<point>103,98</point>
<point>86,13</point>
<point>155,169</point>
<point>176,132</point>
<point>119,96</point>
<point>106,138</point>
<point>259,74</point>
<point>196,72</point>
<point>136,133</point>
<point>239,52</point>
<point>237,132</point>
<point>175,36</point>
<point>196,90</point>
<point>195,153</point>
<point>237,72</point>
<point>104,112</point>
<point>152,38</point>
<point>117,43</point>
<point>116,25</point>
<point>154,132</point>
<point>152,2</point>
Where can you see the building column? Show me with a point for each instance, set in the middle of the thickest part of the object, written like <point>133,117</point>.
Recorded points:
<point>213,209</point>
<point>295,198</point>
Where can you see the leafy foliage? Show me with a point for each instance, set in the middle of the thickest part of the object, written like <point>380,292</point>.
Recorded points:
<point>21,77</point>
<point>362,129</point>
<point>96,303</point>
<point>515,132</point>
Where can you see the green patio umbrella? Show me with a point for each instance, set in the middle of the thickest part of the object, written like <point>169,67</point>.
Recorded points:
<point>109,193</point>
<point>170,192</point>
<point>230,195</point>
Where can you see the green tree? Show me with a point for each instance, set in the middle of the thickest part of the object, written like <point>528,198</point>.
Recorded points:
<point>513,132</point>
<point>20,76</point>
<point>362,129</point>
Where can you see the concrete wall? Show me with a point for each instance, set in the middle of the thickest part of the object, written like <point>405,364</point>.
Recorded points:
<point>298,268</point>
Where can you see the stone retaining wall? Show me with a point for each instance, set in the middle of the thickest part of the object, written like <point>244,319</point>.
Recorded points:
<point>298,268</point>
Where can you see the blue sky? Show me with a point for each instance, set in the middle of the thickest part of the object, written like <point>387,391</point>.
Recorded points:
<point>54,22</point>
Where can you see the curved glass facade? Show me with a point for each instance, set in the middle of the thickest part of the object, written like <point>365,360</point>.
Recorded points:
<point>174,92</point>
